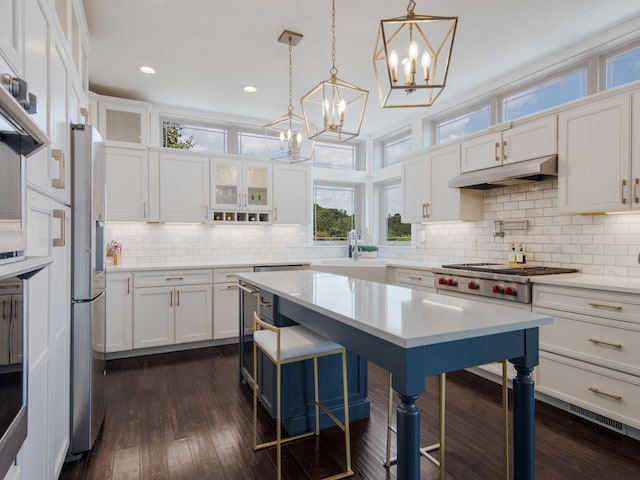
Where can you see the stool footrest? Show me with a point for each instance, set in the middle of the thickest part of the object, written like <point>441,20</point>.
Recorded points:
<point>283,440</point>
<point>424,451</point>
<point>333,418</point>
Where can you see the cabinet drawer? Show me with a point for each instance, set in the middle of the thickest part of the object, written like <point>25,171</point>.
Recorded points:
<point>578,383</point>
<point>617,306</point>
<point>608,343</point>
<point>161,278</point>
<point>222,275</point>
<point>414,278</point>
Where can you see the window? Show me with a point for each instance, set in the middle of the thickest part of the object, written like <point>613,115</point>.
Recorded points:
<point>393,230</point>
<point>547,94</point>
<point>394,148</point>
<point>334,211</point>
<point>253,144</point>
<point>463,125</point>
<point>190,136</point>
<point>338,155</point>
<point>623,67</point>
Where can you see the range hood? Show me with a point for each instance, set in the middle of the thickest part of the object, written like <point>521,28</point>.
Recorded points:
<point>534,170</point>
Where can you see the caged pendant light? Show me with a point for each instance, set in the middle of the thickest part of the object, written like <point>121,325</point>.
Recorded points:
<point>286,137</point>
<point>411,58</point>
<point>335,105</point>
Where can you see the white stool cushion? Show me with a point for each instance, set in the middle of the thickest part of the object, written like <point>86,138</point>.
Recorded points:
<point>296,341</point>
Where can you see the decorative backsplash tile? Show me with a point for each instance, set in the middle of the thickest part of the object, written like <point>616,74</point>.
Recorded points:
<point>599,244</point>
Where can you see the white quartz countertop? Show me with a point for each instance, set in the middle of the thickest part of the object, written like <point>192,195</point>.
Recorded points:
<point>124,267</point>
<point>584,280</point>
<point>402,316</point>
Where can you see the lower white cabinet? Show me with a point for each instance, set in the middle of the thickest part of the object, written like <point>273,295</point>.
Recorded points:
<point>412,278</point>
<point>226,298</point>
<point>119,312</point>
<point>179,311</point>
<point>590,356</point>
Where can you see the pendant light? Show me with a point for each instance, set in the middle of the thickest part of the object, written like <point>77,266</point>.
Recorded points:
<point>285,136</point>
<point>335,105</point>
<point>411,58</point>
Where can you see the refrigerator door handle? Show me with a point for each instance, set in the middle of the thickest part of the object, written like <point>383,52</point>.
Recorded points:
<point>88,300</point>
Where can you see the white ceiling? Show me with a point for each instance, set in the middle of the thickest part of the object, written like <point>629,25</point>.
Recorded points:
<point>205,51</point>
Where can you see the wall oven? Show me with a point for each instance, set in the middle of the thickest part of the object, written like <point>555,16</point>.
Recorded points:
<point>19,138</point>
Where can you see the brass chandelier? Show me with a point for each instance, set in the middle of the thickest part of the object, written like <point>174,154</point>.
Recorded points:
<point>335,105</point>
<point>411,58</point>
<point>286,137</point>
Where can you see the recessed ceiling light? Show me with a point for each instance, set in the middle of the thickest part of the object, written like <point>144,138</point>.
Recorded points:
<point>147,69</point>
<point>250,89</point>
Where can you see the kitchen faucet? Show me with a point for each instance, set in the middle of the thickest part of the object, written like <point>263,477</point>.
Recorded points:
<point>353,243</point>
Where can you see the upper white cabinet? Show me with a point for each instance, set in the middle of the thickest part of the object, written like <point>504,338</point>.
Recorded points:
<point>119,312</point>
<point>524,141</point>
<point>427,195</point>
<point>594,156</point>
<point>240,184</point>
<point>291,194</point>
<point>127,173</point>
<point>124,123</point>
<point>11,34</point>
<point>184,187</point>
<point>59,130</point>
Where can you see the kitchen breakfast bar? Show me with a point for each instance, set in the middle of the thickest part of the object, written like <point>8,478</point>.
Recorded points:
<point>413,335</point>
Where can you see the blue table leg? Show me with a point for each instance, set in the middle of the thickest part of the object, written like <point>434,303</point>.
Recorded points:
<point>523,425</point>
<point>408,423</point>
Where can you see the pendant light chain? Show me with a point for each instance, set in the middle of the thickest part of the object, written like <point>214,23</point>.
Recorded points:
<point>334,70</point>
<point>290,77</point>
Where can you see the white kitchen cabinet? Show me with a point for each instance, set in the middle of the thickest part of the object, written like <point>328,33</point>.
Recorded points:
<point>523,141</point>
<point>12,34</point>
<point>127,172</point>
<point>226,298</point>
<point>291,194</point>
<point>49,224</point>
<point>153,317</point>
<point>184,187</point>
<point>590,356</point>
<point>119,312</point>
<point>172,307</point>
<point>59,128</point>
<point>124,123</point>
<point>240,185</point>
<point>427,196</point>
<point>594,157</point>
<point>414,278</point>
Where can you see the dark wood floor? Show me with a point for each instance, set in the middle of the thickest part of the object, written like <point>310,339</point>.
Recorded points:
<point>183,416</point>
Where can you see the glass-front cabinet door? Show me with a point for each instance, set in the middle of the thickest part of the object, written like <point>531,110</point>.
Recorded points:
<point>226,184</point>
<point>258,182</point>
<point>240,186</point>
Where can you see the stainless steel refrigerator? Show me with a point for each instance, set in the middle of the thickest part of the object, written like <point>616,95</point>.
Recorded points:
<point>88,295</point>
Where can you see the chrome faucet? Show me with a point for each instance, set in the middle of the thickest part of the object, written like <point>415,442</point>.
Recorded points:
<point>353,243</point>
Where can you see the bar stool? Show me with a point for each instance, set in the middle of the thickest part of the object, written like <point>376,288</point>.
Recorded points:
<point>294,344</point>
<point>425,451</point>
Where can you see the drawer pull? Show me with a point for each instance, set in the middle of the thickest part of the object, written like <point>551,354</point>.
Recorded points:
<point>231,287</point>
<point>174,278</point>
<point>615,396</point>
<point>419,279</point>
<point>609,344</point>
<point>602,305</point>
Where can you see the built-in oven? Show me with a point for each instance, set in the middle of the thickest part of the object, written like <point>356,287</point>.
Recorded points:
<point>13,390</point>
<point>19,138</point>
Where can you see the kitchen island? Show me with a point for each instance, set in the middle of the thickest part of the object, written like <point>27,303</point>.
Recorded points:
<point>413,335</point>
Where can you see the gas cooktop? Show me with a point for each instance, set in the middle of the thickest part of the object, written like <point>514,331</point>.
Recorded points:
<point>505,269</point>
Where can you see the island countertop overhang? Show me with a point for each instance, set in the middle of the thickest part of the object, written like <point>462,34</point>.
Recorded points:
<point>399,315</point>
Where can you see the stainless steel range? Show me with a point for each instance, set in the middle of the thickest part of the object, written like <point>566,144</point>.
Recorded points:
<point>502,282</point>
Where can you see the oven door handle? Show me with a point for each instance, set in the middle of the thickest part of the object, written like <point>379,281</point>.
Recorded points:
<point>248,290</point>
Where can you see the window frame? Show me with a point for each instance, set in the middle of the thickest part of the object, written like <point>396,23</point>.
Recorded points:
<point>186,122</point>
<point>358,209</point>
<point>603,60</point>
<point>380,157</point>
<point>380,192</point>
<point>460,115</point>
<point>359,157</point>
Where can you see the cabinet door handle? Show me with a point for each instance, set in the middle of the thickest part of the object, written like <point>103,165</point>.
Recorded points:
<point>178,300</point>
<point>497,154</point>
<point>276,210</point>
<point>171,298</point>
<point>504,150</point>
<point>245,200</point>
<point>636,181</point>
<point>232,287</point>
<point>426,210</point>
<point>419,279</point>
<point>602,305</point>
<point>206,213</point>
<point>4,307</point>
<point>144,210</point>
<point>60,214</point>
<point>609,344</point>
<point>58,156</point>
<point>615,396</point>
<point>623,198</point>
<point>128,285</point>
<point>168,279</point>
